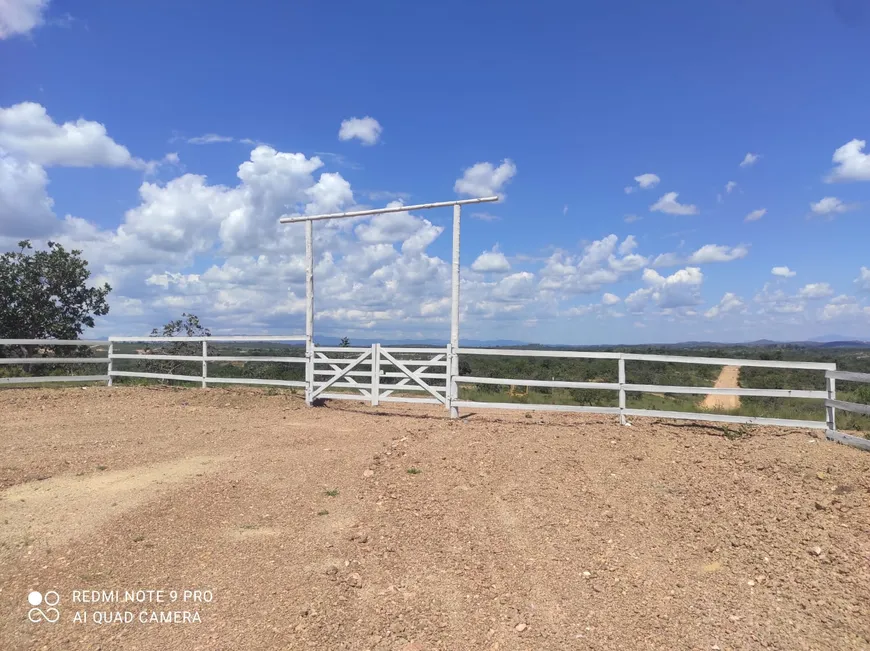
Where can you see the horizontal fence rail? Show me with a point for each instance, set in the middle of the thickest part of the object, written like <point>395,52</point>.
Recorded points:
<point>622,387</point>
<point>378,374</point>
<point>204,358</point>
<point>47,343</point>
<point>832,404</point>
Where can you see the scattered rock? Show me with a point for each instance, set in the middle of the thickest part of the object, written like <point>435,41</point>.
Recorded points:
<point>354,580</point>
<point>368,472</point>
<point>816,551</point>
<point>332,570</point>
<point>520,627</point>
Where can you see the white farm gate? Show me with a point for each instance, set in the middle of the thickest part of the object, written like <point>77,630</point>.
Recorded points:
<point>379,373</point>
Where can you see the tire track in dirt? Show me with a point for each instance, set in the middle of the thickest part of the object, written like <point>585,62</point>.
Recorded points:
<point>729,378</point>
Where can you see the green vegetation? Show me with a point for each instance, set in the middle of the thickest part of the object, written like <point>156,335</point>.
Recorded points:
<point>332,493</point>
<point>414,471</point>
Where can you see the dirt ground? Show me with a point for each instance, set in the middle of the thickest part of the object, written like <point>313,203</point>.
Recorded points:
<point>729,378</point>
<point>352,527</point>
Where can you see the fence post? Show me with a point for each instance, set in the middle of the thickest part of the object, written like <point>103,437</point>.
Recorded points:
<point>109,369</point>
<point>451,388</point>
<point>831,412</point>
<point>204,363</point>
<point>622,420</point>
<point>376,373</point>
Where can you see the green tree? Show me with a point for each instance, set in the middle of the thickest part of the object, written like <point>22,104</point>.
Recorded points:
<point>45,295</point>
<point>187,326</point>
<point>344,343</point>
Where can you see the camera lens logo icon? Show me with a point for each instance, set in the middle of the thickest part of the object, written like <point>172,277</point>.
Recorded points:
<point>50,599</point>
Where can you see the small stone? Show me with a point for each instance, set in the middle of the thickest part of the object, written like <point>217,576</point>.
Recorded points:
<point>368,472</point>
<point>817,551</point>
<point>734,618</point>
<point>520,627</point>
<point>332,570</point>
<point>750,583</point>
<point>587,574</point>
<point>354,580</point>
<point>821,507</point>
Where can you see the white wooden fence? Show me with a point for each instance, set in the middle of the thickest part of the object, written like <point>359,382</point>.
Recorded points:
<point>378,373</point>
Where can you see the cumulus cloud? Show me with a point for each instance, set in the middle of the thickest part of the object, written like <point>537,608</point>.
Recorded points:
<point>644,182</point>
<point>21,16</point>
<point>27,131</point>
<point>730,303</point>
<point>729,187</point>
<point>863,279</point>
<point>749,160</point>
<point>610,299</point>
<point>367,130</point>
<point>843,308</point>
<point>491,262</point>
<point>707,254</point>
<point>600,264</point>
<point>814,291</point>
<point>851,163</point>
<point>25,207</point>
<point>755,215</point>
<point>829,206</point>
<point>668,204</point>
<point>679,290</point>
<point>718,253</point>
<point>783,272</point>
<point>484,179</point>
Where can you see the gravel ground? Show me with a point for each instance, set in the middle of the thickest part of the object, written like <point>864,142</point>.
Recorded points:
<point>351,527</point>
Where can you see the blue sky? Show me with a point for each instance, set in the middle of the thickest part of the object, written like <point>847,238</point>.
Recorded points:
<point>165,139</point>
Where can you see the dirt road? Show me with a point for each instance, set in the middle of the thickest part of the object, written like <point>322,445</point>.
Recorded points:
<point>728,378</point>
<point>351,527</point>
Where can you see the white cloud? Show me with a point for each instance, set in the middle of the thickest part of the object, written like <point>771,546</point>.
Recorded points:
<point>667,260</point>
<point>644,182</point>
<point>730,303</point>
<point>610,299</point>
<point>829,206</point>
<point>26,130</point>
<point>729,187</point>
<point>484,179</point>
<point>783,272</point>
<point>598,265</point>
<point>718,253</point>
<point>647,181</point>
<point>749,159</point>
<point>680,289</point>
<point>814,291</point>
<point>491,261</point>
<point>843,307</point>
<point>628,245</point>
<point>25,207</point>
<point>668,204</point>
<point>209,139</point>
<point>20,16</point>
<point>755,215</point>
<point>778,302</point>
<point>630,219</point>
<point>367,130</point>
<point>863,279</point>
<point>707,254</point>
<point>852,164</point>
